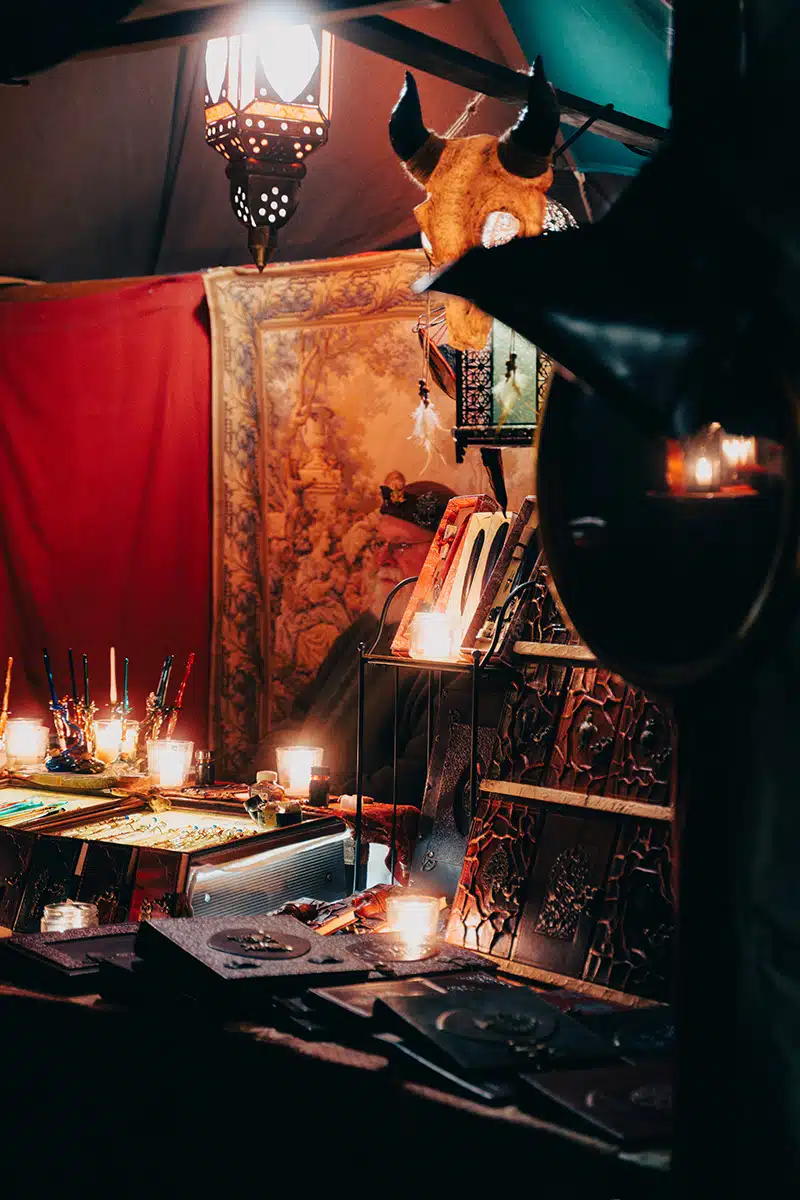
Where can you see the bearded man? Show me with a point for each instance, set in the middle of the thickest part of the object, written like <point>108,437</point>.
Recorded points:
<point>325,713</point>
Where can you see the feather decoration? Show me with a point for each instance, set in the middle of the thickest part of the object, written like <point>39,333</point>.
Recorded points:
<point>426,426</point>
<point>510,390</point>
<point>492,458</point>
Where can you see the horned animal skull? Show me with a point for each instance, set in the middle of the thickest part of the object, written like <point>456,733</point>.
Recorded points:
<point>481,189</point>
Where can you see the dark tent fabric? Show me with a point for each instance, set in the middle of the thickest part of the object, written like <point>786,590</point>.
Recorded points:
<point>107,173</point>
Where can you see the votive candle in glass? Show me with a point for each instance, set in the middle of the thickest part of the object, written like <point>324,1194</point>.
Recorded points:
<point>26,742</point>
<point>415,918</point>
<point>108,740</point>
<point>168,762</point>
<point>430,637</point>
<point>294,767</point>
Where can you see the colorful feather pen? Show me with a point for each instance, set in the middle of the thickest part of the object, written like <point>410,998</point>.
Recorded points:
<point>176,708</point>
<point>161,694</point>
<point>6,693</point>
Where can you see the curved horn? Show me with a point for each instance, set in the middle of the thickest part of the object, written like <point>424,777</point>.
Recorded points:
<point>535,132</point>
<point>409,136</point>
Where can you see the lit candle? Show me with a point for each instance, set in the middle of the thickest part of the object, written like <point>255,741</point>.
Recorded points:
<point>129,737</point>
<point>294,767</point>
<point>112,691</point>
<point>108,736</point>
<point>168,762</point>
<point>431,637</point>
<point>703,471</point>
<point>415,918</point>
<point>26,742</point>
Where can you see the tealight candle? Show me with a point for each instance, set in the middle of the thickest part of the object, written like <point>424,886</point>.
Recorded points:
<point>108,739</point>
<point>415,918</point>
<point>110,743</point>
<point>294,767</point>
<point>168,762</point>
<point>26,742</point>
<point>430,637</point>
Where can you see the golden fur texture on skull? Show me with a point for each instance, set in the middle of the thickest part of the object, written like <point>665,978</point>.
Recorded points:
<point>468,178</point>
<point>467,184</point>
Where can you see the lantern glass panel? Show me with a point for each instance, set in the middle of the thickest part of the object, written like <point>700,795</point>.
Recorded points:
<point>524,409</point>
<point>216,67</point>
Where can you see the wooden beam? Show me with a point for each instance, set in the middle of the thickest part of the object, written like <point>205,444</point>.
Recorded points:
<point>529,793</point>
<point>424,53</point>
<point>542,651</point>
<point>219,20</point>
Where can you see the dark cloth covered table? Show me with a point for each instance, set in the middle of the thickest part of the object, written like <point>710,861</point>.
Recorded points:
<point>108,1100</point>
<point>376,828</point>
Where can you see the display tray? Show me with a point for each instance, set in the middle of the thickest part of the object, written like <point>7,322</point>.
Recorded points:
<point>357,1000</point>
<point>246,960</point>
<point>67,961</point>
<point>494,1032</point>
<point>389,954</point>
<point>52,803</point>
<point>135,863</point>
<point>630,1104</point>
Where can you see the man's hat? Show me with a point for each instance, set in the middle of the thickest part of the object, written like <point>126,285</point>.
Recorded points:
<point>422,503</point>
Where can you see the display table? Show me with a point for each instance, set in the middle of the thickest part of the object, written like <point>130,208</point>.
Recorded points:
<point>104,1100</point>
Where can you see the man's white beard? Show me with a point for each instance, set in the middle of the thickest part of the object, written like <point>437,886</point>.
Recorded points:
<point>382,588</point>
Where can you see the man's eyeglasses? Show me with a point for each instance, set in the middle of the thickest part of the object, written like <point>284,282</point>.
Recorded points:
<point>395,548</point>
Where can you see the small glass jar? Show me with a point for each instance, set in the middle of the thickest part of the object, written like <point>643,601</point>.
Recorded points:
<point>206,768</point>
<point>266,795</point>
<point>71,914</point>
<point>319,787</point>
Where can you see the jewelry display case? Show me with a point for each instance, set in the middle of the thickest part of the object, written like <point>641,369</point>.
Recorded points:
<point>193,856</point>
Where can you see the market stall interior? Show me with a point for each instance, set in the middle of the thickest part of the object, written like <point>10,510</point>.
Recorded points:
<point>378,592</point>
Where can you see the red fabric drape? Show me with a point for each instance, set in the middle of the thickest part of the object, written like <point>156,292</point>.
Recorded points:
<point>105,490</point>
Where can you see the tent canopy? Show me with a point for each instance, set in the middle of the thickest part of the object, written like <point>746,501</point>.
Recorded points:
<point>108,174</point>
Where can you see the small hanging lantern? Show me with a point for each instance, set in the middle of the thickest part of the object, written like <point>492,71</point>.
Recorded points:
<point>267,107</point>
<point>499,388</point>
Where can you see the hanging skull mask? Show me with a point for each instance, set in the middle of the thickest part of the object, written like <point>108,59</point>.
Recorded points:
<point>481,189</point>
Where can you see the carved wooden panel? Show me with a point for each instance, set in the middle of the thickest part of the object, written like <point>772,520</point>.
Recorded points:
<point>546,623</point>
<point>632,949</point>
<point>490,893</point>
<point>49,879</point>
<point>529,725</point>
<point>572,859</point>
<point>643,754</point>
<point>587,731</point>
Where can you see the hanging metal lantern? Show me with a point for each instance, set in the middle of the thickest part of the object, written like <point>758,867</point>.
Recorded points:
<point>267,107</point>
<point>498,389</point>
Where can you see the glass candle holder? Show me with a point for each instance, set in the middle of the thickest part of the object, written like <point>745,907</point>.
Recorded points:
<point>26,742</point>
<point>430,636</point>
<point>72,914</point>
<point>108,740</point>
<point>294,767</point>
<point>168,762</point>
<point>414,918</point>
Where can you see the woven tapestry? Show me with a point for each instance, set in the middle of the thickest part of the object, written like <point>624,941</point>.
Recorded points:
<point>315,370</point>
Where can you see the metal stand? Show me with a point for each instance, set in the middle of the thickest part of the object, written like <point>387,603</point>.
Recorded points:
<point>479,664</point>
